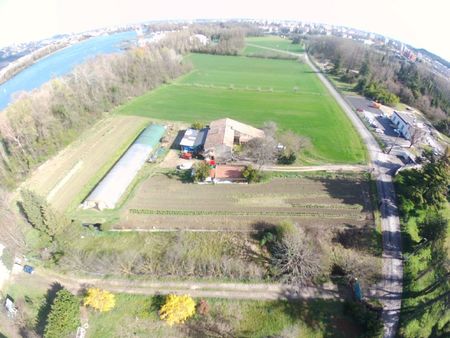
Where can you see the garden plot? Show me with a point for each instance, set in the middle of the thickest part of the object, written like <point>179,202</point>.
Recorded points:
<point>167,203</point>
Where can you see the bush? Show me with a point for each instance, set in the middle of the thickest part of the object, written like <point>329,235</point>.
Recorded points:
<point>177,309</point>
<point>251,174</point>
<point>197,125</point>
<point>201,171</point>
<point>288,158</point>
<point>100,300</point>
<point>64,316</point>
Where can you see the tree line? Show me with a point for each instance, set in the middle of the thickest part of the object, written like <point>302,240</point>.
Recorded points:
<point>423,197</point>
<point>380,74</point>
<point>41,122</point>
<point>223,38</point>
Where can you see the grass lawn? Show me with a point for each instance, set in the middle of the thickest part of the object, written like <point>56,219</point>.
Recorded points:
<point>137,316</point>
<point>275,42</point>
<point>253,91</point>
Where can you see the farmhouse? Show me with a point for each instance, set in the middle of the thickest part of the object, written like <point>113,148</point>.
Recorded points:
<point>193,140</point>
<point>224,134</point>
<point>113,185</point>
<point>404,122</point>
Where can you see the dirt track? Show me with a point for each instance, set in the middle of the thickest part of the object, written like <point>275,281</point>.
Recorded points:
<point>45,278</point>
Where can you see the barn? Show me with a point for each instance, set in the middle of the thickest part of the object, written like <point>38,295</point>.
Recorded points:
<point>223,134</point>
<point>113,185</point>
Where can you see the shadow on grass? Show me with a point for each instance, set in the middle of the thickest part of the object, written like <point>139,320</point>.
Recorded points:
<point>365,239</point>
<point>324,316</point>
<point>182,175</point>
<point>45,308</point>
<point>157,303</point>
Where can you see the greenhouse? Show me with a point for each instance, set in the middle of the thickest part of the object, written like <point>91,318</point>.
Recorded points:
<point>113,185</point>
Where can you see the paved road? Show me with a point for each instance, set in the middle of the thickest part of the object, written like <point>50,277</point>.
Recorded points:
<point>383,166</point>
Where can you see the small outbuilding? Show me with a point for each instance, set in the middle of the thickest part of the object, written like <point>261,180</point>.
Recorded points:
<point>193,140</point>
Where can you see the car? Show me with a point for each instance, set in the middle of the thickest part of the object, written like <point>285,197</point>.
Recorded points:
<point>378,130</point>
<point>360,110</point>
<point>185,166</point>
<point>28,269</point>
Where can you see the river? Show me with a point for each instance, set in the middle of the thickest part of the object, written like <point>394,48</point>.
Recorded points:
<point>61,62</point>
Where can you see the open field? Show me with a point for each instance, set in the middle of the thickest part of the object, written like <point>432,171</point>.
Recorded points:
<point>162,202</point>
<point>68,177</point>
<point>274,42</point>
<point>138,315</point>
<point>254,90</point>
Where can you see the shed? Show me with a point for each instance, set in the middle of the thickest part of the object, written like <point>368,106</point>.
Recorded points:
<point>113,185</point>
<point>193,140</point>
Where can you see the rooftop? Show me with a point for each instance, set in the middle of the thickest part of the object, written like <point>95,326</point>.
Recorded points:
<point>406,117</point>
<point>223,132</point>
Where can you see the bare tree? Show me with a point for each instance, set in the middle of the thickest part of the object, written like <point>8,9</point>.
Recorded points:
<point>417,136</point>
<point>261,150</point>
<point>296,258</point>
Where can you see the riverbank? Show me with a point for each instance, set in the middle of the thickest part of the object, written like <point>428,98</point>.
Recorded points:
<point>25,61</point>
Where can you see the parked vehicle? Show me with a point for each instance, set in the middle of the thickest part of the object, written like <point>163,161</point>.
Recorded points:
<point>28,269</point>
<point>185,166</point>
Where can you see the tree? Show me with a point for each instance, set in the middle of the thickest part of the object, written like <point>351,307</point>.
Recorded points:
<point>296,258</point>
<point>177,309</point>
<point>41,215</point>
<point>251,174</point>
<point>292,144</point>
<point>201,171</point>
<point>261,150</point>
<point>64,316</point>
<point>417,136</point>
<point>100,300</point>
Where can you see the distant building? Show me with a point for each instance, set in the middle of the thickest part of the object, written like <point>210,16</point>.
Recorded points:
<point>203,39</point>
<point>224,134</point>
<point>404,122</point>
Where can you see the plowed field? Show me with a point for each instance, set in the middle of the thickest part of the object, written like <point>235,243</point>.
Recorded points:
<point>163,202</point>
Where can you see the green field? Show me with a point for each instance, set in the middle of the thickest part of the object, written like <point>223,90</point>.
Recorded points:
<point>137,316</point>
<point>274,42</point>
<point>255,90</point>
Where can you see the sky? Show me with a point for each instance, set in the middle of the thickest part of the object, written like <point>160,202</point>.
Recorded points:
<point>422,24</point>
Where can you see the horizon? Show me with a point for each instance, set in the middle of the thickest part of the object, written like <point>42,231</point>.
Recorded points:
<point>396,21</point>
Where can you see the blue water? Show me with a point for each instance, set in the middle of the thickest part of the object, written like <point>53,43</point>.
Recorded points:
<point>60,63</point>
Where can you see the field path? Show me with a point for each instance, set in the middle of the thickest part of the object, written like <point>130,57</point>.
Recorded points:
<point>259,291</point>
<point>327,167</point>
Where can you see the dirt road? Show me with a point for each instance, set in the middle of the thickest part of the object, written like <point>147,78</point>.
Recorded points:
<point>258,291</point>
<point>328,167</point>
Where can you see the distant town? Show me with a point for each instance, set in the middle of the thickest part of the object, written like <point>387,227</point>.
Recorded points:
<point>403,51</point>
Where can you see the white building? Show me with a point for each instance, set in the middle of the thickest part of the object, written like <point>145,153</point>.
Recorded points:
<point>404,122</point>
